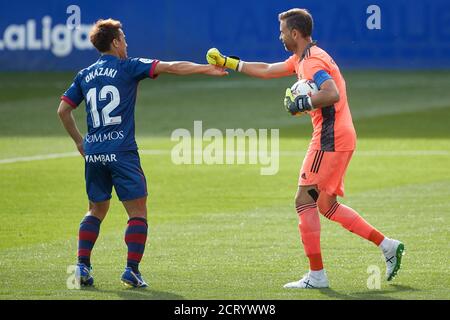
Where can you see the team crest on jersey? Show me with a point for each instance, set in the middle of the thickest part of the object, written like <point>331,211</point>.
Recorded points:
<point>143,60</point>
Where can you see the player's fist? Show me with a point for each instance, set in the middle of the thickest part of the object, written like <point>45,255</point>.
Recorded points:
<point>214,57</point>
<point>298,105</point>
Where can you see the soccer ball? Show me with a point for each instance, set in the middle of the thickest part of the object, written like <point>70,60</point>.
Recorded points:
<point>304,87</point>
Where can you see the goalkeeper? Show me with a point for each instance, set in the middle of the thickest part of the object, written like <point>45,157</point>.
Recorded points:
<point>321,177</point>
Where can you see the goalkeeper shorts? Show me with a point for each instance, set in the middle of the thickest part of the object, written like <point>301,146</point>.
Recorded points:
<point>326,169</point>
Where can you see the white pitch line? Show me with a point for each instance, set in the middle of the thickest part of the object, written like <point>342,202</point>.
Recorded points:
<point>371,153</point>
<point>157,152</point>
<point>40,157</point>
<point>384,153</point>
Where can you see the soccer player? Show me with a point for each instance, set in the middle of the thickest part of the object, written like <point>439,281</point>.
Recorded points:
<point>109,89</point>
<point>321,177</point>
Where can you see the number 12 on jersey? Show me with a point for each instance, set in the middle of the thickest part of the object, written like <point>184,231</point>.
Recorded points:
<point>91,98</point>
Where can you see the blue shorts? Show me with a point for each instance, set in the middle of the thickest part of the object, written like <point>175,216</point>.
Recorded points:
<point>119,169</point>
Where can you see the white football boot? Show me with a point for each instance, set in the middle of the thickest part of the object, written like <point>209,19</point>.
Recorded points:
<point>393,250</point>
<point>311,280</point>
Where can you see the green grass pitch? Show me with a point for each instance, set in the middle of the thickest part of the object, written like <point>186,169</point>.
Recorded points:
<point>226,232</point>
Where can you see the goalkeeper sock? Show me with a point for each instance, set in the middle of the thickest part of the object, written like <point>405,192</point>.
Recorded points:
<point>353,222</point>
<point>309,227</point>
<point>87,235</point>
<point>135,238</point>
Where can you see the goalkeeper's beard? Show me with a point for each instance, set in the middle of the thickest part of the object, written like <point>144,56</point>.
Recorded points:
<point>291,47</point>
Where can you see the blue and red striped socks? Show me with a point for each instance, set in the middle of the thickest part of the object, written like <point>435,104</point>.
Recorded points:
<point>89,229</point>
<point>135,238</point>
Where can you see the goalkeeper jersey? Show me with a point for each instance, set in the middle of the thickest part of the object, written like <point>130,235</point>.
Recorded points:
<point>333,125</point>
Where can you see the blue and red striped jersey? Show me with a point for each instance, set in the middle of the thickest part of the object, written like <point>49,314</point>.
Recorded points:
<point>109,88</point>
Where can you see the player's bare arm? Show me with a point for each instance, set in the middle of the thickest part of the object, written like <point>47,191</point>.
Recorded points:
<point>254,69</point>
<point>327,95</point>
<point>187,68</point>
<point>68,121</point>
<point>265,70</point>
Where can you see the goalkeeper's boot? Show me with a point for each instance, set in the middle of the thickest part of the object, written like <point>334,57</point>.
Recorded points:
<point>309,281</point>
<point>393,256</point>
<point>83,274</point>
<point>133,279</point>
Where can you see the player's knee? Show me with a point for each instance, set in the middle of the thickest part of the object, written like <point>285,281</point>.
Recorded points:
<point>324,204</point>
<point>300,200</point>
<point>99,209</point>
<point>136,208</point>
<point>305,196</point>
<point>322,207</point>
